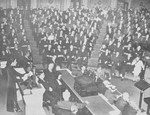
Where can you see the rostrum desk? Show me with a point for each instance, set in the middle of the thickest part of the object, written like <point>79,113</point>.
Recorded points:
<point>97,105</point>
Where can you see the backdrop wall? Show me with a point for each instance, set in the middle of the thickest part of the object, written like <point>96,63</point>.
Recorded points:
<point>64,4</point>
<point>136,3</point>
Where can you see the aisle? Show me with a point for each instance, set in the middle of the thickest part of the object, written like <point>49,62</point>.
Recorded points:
<point>37,59</point>
<point>93,61</point>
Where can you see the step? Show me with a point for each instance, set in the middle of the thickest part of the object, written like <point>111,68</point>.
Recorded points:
<point>37,62</point>
<point>37,59</point>
<point>95,54</point>
<point>97,46</point>
<point>100,38</point>
<point>34,49</point>
<point>33,44</point>
<point>39,66</point>
<point>35,53</point>
<point>99,41</point>
<point>92,62</point>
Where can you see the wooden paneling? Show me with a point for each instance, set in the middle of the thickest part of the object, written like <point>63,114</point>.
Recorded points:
<point>136,3</point>
<point>5,3</point>
<point>13,3</point>
<point>102,3</point>
<point>46,3</point>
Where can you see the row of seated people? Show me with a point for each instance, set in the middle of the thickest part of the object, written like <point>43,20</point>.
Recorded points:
<point>73,32</point>
<point>16,79</point>
<point>102,85</point>
<point>126,43</point>
<point>57,95</point>
<point>14,44</point>
<point>14,50</point>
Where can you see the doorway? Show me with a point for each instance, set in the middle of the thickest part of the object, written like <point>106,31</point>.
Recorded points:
<point>25,4</point>
<point>122,4</point>
<point>76,4</point>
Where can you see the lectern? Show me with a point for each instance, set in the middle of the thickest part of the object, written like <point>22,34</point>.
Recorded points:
<point>147,101</point>
<point>142,85</point>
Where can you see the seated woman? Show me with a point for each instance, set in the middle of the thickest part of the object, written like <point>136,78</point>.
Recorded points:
<point>50,98</point>
<point>51,80</point>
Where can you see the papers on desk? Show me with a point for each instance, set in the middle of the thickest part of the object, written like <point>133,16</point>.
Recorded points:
<point>3,64</point>
<point>116,110</point>
<point>20,70</point>
<point>110,86</point>
<point>114,113</point>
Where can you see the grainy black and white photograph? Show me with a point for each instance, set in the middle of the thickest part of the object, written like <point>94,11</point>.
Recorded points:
<point>74,57</point>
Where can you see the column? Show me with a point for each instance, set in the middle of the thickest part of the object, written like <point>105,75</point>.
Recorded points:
<point>34,4</point>
<point>13,4</point>
<point>8,3</point>
<point>129,2</point>
<point>67,4</point>
<point>113,4</point>
<point>84,3</point>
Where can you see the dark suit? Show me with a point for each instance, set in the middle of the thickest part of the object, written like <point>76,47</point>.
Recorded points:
<point>11,95</point>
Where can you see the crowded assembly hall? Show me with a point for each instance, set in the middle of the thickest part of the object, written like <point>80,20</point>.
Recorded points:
<point>74,57</point>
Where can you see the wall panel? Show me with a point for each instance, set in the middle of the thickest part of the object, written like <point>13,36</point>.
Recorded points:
<point>3,3</point>
<point>45,3</point>
<point>13,4</point>
<point>103,3</point>
<point>136,3</point>
<point>33,3</point>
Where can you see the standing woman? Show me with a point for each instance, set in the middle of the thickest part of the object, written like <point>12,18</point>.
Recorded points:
<point>139,66</point>
<point>12,104</point>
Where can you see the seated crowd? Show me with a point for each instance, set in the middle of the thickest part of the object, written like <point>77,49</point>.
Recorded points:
<point>126,42</point>
<point>55,35</point>
<point>69,36</point>
<point>14,44</point>
<point>14,50</point>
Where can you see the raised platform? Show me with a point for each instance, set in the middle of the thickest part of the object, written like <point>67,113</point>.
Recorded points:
<point>97,105</point>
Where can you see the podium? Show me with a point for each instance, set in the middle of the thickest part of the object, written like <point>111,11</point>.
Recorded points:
<point>142,85</point>
<point>147,101</point>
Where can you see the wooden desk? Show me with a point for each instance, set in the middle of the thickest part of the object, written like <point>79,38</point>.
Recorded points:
<point>34,102</point>
<point>98,105</point>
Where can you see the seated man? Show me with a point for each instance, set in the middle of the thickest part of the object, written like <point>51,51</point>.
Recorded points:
<point>122,101</point>
<point>125,105</point>
<point>110,96</point>
<point>69,108</point>
<point>50,98</point>
<point>51,80</point>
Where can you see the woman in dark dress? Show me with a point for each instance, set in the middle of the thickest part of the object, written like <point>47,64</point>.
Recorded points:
<point>12,104</point>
